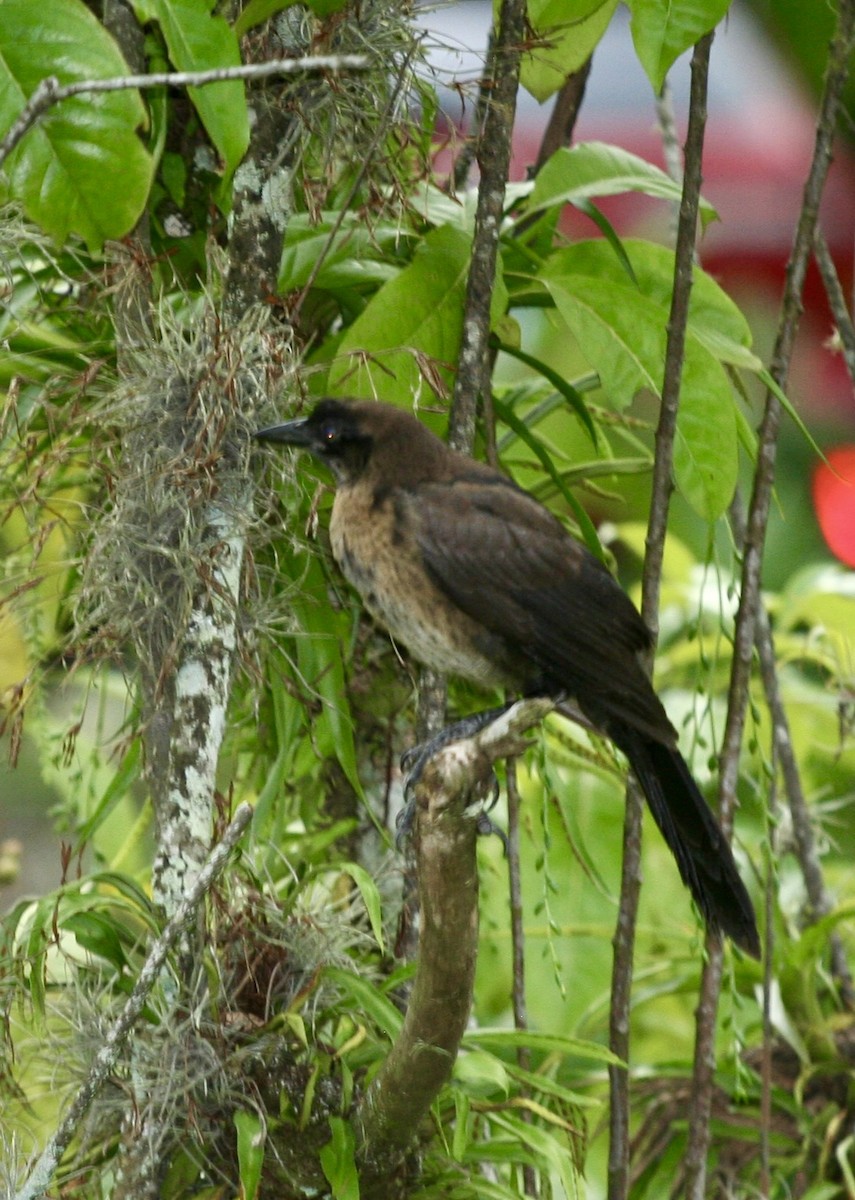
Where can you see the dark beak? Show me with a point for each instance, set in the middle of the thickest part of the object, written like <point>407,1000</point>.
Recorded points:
<point>292,433</point>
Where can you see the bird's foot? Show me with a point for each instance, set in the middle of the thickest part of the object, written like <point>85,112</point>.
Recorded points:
<point>414,761</point>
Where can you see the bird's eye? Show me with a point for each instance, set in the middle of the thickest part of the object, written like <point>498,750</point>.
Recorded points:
<point>329,432</point>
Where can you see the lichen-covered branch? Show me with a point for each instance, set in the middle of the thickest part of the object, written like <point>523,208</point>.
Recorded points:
<point>104,1063</point>
<point>420,1062</point>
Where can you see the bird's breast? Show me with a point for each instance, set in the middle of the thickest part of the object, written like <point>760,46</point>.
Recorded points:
<point>374,542</point>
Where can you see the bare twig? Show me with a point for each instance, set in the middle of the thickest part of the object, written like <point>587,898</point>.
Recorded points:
<point>105,1060</point>
<point>50,91</point>
<point>466,156</point>
<point>836,300</point>
<point>421,1060</point>
<point>749,602</point>
<point>624,941</point>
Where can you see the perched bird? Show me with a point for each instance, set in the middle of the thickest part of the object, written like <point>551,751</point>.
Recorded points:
<point>478,579</point>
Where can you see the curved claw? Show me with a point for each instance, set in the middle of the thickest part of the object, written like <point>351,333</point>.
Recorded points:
<point>485,827</point>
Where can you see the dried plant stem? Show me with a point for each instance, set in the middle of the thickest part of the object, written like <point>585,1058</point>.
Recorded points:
<point>624,940</point>
<point>107,1057</point>
<point>755,535</point>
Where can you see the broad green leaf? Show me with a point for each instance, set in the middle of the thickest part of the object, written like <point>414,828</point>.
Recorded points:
<point>338,1160</point>
<point>198,41</point>
<point>706,446</point>
<point>82,169</point>
<point>351,257</point>
<point>577,173</point>
<point>621,329</point>
<point>319,658</point>
<point>406,340</point>
<point>566,33</point>
<point>615,329</point>
<point>251,1136</point>
<point>714,319</point>
<point>481,1074</point>
<point>663,29</point>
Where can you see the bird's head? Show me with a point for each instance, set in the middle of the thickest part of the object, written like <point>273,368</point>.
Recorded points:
<point>333,432</point>
<point>360,437</point>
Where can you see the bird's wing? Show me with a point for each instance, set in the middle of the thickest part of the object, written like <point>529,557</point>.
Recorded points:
<point>507,562</point>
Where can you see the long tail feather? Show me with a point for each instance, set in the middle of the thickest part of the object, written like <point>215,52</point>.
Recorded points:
<point>703,855</point>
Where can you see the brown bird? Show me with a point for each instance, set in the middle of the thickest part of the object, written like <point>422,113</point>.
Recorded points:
<point>478,579</point>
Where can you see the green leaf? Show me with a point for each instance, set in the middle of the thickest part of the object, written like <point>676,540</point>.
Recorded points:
<point>616,332</point>
<point>566,33</point>
<point>338,1161</point>
<point>368,999</point>
<point>251,1136</point>
<point>578,173</point>
<point>118,787</point>
<point>545,1043</point>
<point>82,169</point>
<point>663,29</point>
<point>351,257</point>
<point>319,658</point>
<point>621,331</point>
<point>507,415</point>
<point>706,446</point>
<point>198,41</point>
<point>409,333</point>
<point>370,898</point>
<point>97,934</point>
<point>257,11</point>
<point>325,8</point>
<point>561,385</point>
<point>481,1074</point>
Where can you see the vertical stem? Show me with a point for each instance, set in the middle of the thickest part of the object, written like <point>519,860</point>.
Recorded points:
<point>749,603</point>
<point>518,997</point>
<point>494,158</point>
<point>624,939</point>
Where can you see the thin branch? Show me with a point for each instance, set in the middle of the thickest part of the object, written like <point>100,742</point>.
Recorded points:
<point>750,600</point>
<point>624,941</point>
<point>464,160</point>
<point>420,1062</point>
<point>105,1060</point>
<point>836,300</point>
<point>50,91</point>
<point>494,157</point>
<point>473,372</point>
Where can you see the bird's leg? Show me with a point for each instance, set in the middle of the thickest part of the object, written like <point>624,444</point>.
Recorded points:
<point>414,761</point>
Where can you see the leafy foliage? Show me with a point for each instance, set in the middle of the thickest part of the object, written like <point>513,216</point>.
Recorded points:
<point>292,1007</point>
